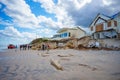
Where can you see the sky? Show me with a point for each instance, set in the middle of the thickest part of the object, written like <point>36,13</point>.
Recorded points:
<point>21,21</point>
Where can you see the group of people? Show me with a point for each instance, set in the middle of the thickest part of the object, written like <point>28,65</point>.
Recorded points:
<point>45,47</point>
<point>25,47</point>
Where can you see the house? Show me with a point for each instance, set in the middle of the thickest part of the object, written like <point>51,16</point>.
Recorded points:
<point>66,33</point>
<point>104,27</point>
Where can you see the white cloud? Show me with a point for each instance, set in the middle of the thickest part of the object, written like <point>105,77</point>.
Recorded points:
<point>21,13</point>
<point>107,2</point>
<point>0,6</point>
<point>20,37</point>
<point>80,3</point>
<point>11,32</point>
<point>30,36</point>
<point>6,22</point>
<point>82,12</point>
<point>70,13</point>
<point>63,19</point>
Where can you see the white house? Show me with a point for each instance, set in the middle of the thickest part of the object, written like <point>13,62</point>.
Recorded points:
<point>105,27</point>
<point>65,33</point>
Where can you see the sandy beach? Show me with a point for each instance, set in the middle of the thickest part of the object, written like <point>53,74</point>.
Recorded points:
<point>77,65</point>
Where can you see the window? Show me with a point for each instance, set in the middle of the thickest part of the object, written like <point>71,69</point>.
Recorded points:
<point>65,34</point>
<point>97,36</point>
<point>115,23</point>
<point>69,34</point>
<point>92,28</point>
<point>109,24</point>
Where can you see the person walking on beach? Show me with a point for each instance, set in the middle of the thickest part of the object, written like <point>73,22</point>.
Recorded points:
<point>15,48</point>
<point>21,47</point>
<point>43,47</point>
<point>47,47</point>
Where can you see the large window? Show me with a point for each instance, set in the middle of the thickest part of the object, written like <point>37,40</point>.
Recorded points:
<point>63,35</point>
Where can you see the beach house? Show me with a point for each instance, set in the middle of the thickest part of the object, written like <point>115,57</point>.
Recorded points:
<point>66,33</point>
<point>103,27</point>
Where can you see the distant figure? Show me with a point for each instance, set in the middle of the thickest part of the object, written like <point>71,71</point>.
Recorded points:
<point>21,47</point>
<point>48,47</point>
<point>28,46</point>
<point>43,47</point>
<point>16,46</point>
<point>25,46</point>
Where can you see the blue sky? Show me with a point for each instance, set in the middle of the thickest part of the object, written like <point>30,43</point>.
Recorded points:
<point>23,20</point>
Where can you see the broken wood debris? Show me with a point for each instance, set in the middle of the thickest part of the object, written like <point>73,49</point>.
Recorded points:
<point>44,55</point>
<point>64,55</point>
<point>87,66</point>
<point>56,64</point>
<point>66,59</point>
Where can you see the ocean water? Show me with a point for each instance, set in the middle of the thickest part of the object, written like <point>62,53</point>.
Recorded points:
<point>3,48</point>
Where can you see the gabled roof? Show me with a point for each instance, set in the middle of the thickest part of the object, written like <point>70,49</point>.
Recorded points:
<point>115,15</point>
<point>100,16</point>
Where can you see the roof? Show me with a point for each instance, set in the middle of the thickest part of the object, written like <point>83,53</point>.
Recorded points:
<point>65,29</point>
<point>100,16</point>
<point>115,15</point>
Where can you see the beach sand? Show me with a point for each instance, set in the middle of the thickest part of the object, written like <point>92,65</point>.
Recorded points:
<point>77,65</point>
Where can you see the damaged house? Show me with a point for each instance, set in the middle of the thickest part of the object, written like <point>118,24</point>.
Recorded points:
<point>66,36</point>
<point>66,33</point>
<point>104,27</point>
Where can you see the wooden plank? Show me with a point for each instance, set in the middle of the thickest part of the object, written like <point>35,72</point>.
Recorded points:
<point>56,64</point>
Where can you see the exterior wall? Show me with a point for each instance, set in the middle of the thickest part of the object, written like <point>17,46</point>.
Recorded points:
<point>77,33</point>
<point>112,25</point>
<point>109,43</point>
<point>118,23</point>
